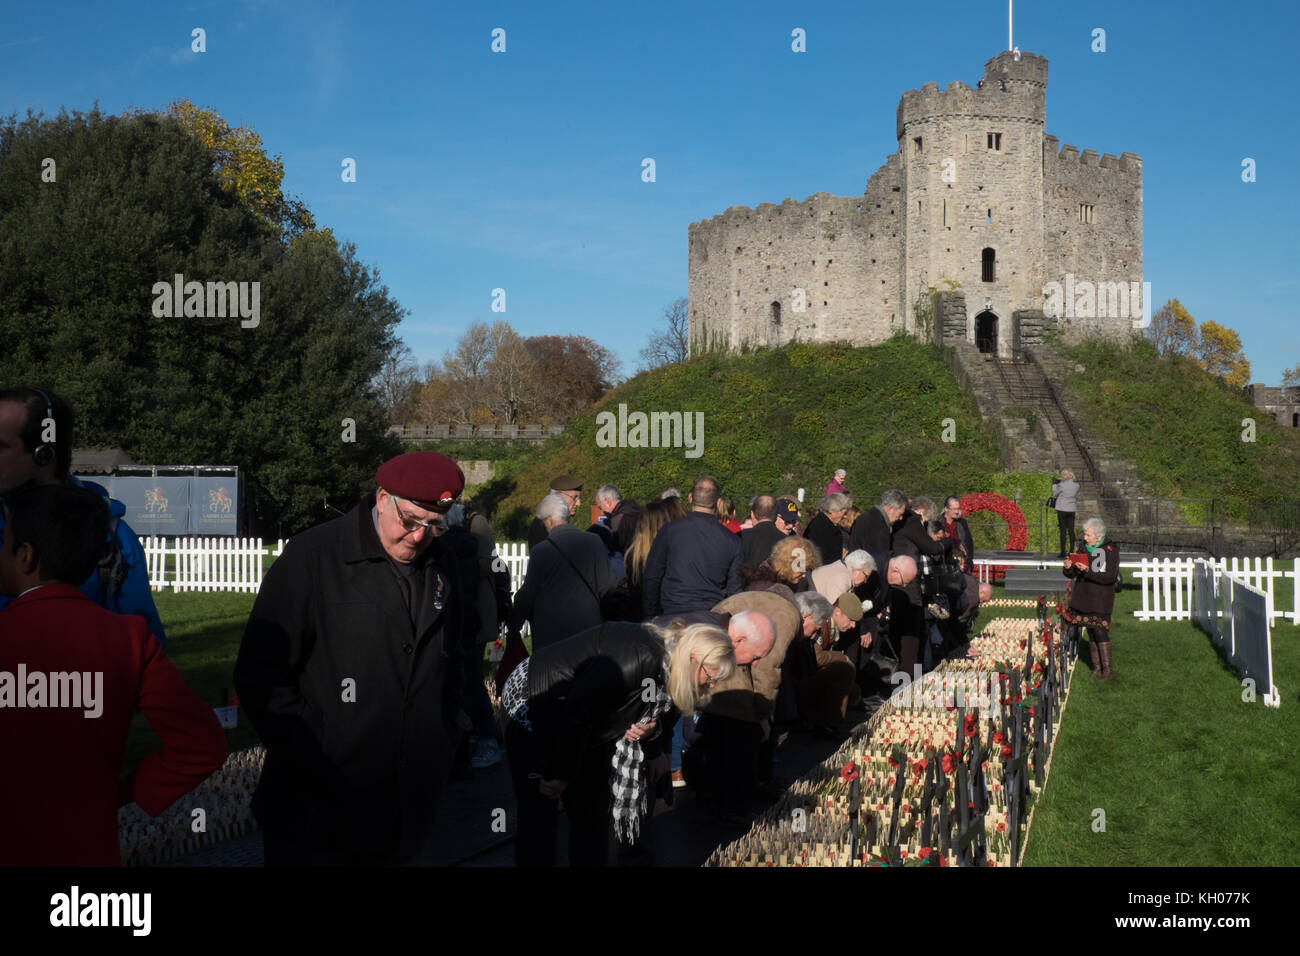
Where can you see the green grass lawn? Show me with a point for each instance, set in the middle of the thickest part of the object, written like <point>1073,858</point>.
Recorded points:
<point>1186,772</point>
<point>203,634</point>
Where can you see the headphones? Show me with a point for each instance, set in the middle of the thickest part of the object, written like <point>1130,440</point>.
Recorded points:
<point>43,454</point>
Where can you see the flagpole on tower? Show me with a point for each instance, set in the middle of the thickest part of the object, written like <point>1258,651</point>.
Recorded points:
<point>1009,44</point>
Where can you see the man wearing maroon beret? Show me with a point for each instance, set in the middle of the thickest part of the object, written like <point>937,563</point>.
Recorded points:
<point>349,671</point>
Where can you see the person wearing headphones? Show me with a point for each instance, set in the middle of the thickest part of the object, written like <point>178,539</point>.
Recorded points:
<point>36,449</point>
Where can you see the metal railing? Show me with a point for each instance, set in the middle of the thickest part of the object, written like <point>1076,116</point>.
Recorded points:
<point>1055,391</point>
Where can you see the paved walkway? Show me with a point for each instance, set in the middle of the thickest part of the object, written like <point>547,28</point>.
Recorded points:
<point>683,833</point>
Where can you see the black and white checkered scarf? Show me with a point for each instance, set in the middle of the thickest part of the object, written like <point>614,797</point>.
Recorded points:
<point>514,695</point>
<point>629,785</point>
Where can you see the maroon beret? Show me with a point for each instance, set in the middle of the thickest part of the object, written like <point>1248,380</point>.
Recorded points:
<point>425,478</point>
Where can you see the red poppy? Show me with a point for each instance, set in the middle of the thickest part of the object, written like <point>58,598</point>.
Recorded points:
<point>849,771</point>
<point>1002,826</point>
<point>923,853</point>
<point>1006,751</point>
<point>903,854</point>
<point>998,738</point>
<point>949,764</point>
<point>906,808</point>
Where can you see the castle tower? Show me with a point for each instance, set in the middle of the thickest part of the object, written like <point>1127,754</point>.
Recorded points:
<point>973,185</point>
<point>977,195</point>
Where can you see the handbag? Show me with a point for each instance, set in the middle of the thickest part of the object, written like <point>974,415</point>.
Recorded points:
<point>1051,502</point>
<point>515,654</point>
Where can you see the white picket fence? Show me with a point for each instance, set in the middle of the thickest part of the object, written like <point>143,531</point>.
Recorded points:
<point>1241,629</point>
<point>515,555</point>
<point>236,564</point>
<point>207,564</point>
<point>1167,585</point>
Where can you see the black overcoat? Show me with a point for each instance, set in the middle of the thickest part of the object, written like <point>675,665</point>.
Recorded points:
<point>356,706</point>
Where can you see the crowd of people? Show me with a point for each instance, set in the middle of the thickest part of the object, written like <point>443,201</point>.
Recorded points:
<point>674,632</point>
<point>821,614</point>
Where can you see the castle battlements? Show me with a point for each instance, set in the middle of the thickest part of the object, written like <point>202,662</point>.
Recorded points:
<point>1125,163</point>
<point>738,215</point>
<point>977,194</point>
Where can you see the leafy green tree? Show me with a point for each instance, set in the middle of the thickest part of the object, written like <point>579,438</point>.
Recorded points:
<point>134,201</point>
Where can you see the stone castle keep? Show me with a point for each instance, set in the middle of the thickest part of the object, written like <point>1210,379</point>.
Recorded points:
<point>977,195</point>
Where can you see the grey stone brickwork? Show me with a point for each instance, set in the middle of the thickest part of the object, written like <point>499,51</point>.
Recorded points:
<point>1282,403</point>
<point>975,170</point>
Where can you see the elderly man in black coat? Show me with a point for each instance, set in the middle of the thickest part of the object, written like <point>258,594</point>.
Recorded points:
<point>349,670</point>
<point>568,573</point>
<point>872,531</point>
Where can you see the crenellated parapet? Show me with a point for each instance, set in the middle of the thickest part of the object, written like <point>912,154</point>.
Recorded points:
<point>1010,91</point>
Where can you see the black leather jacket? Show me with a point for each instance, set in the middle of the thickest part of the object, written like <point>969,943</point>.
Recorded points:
<point>587,690</point>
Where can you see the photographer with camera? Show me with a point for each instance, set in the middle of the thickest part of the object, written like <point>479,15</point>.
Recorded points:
<point>907,605</point>
<point>947,593</point>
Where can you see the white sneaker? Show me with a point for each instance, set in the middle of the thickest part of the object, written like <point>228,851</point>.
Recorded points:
<point>486,754</point>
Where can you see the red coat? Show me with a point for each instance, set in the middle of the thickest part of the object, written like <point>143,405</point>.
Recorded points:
<point>59,804</point>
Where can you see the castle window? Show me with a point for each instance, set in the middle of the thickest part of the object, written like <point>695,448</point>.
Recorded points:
<point>945,213</point>
<point>1086,211</point>
<point>829,261</point>
<point>989,220</point>
<point>776,313</point>
<point>995,142</point>
<point>988,262</point>
<point>917,143</point>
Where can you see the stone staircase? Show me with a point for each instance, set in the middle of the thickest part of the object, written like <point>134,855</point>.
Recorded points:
<point>1038,428</point>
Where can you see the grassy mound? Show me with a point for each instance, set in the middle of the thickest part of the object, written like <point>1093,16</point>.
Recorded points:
<point>1183,429</point>
<point>776,420</point>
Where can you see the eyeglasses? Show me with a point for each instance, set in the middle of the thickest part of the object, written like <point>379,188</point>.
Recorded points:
<point>412,525</point>
<point>709,679</point>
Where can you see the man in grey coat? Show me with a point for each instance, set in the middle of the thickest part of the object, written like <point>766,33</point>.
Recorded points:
<point>568,572</point>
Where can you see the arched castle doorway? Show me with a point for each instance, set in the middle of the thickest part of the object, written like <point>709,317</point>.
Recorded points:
<point>986,332</point>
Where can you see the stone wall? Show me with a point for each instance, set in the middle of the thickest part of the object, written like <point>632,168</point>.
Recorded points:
<point>1105,249</point>
<point>974,172</point>
<point>1282,403</point>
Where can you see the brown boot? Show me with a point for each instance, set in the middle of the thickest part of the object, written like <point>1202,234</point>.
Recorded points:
<point>1107,672</point>
<point>1094,652</point>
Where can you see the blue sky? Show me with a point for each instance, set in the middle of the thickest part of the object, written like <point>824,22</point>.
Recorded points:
<point>522,170</point>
